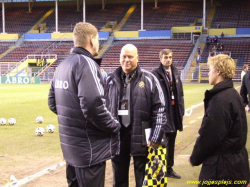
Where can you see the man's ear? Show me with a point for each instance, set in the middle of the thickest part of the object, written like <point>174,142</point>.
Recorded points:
<point>91,40</point>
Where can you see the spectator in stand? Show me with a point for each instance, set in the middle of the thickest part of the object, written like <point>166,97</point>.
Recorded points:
<point>207,39</point>
<point>207,42</point>
<point>218,26</point>
<point>222,35</point>
<point>199,50</point>
<point>222,47</point>
<point>244,71</point>
<point>212,40</point>
<point>214,48</point>
<point>221,145</point>
<point>218,47</point>
<point>216,39</point>
<point>198,59</point>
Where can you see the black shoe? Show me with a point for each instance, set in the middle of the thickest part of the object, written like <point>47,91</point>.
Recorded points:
<point>172,174</point>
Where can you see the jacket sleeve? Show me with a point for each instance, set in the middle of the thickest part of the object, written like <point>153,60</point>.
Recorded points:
<point>213,131</point>
<point>182,97</point>
<point>158,115</point>
<point>51,99</point>
<point>91,95</point>
<point>243,91</point>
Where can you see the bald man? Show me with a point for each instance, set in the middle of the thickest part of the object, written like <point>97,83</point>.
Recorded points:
<point>135,97</point>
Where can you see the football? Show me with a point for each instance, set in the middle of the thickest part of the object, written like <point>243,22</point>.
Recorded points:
<point>2,121</point>
<point>12,121</point>
<point>39,119</point>
<point>50,128</point>
<point>39,131</point>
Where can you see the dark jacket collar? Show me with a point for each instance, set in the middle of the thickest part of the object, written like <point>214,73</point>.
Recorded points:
<point>117,73</point>
<point>161,69</point>
<point>80,50</point>
<point>228,83</point>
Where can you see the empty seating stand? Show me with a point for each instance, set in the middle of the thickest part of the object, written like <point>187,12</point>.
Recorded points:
<point>239,48</point>
<point>68,16</point>
<point>232,14</point>
<point>168,15</point>
<point>149,52</point>
<point>18,20</point>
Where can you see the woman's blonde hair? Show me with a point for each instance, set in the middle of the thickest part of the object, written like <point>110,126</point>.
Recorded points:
<point>223,63</point>
<point>82,32</point>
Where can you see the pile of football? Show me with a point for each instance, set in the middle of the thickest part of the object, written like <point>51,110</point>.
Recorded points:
<point>40,130</point>
<point>11,121</point>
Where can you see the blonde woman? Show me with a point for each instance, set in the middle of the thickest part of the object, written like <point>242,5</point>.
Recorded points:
<point>220,147</point>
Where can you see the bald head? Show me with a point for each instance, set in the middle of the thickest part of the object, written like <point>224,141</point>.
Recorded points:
<point>129,58</point>
<point>129,47</point>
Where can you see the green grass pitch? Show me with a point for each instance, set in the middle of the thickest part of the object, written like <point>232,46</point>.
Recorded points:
<point>19,146</point>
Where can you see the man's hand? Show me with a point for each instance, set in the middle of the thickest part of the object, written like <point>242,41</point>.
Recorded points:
<point>247,108</point>
<point>153,144</point>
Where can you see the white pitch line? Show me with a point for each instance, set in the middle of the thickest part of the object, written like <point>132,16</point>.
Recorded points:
<point>27,179</point>
<point>189,111</point>
<point>185,126</point>
<point>194,106</point>
<point>193,121</point>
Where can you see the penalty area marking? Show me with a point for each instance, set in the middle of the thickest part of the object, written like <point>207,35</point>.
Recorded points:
<point>189,111</point>
<point>27,179</point>
<point>193,121</point>
<point>185,126</point>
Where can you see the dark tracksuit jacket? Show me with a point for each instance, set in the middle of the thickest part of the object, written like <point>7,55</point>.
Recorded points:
<point>147,107</point>
<point>88,131</point>
<point>178,93</point>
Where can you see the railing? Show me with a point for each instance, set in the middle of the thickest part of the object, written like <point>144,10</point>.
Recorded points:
<point>47,76</point>
<point>219,52</point>
<point>185,71</point>
<point>49,56</point>
<point>14,66</point>
<point>35,56</point>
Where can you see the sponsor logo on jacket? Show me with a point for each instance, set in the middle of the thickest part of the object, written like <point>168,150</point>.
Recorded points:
<point>61,84</point>
<point>142,84</point>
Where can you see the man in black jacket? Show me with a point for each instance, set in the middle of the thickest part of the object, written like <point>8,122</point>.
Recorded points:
<point>135,97</point>
<point>88,131</point>
<point>245,90</point>
<point>171,84</point>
